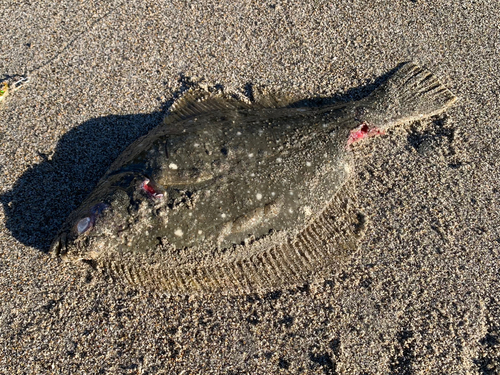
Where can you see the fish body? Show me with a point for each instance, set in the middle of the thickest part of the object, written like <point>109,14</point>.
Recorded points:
<point>230,196</point>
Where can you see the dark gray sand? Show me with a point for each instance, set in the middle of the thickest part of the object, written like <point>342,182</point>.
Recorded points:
<point>421,295</point>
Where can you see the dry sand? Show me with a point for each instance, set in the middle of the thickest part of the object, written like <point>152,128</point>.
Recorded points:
<point>420,296</point>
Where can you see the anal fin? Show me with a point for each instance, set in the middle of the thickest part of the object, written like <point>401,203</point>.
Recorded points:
<point>328,239</point>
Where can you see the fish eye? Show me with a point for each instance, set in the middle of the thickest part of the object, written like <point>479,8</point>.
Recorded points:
<point>98,209</point>
<point>88,222</point>
<point>83,225</point>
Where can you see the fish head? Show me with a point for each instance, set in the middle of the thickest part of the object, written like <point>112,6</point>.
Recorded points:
<point>104,221</point>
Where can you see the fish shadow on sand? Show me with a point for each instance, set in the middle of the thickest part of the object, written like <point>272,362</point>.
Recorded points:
<point>45,195</point>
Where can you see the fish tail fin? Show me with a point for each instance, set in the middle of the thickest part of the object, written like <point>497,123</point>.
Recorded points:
<point>410,94</point>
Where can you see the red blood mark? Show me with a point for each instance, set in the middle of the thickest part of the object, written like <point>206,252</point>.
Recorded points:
<point>150,190</point>
<point>363,131</point>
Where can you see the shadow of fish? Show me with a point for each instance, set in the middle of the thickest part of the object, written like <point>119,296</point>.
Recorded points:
<point>232,197</point>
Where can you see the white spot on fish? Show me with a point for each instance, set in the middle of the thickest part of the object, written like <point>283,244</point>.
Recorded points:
<point>308,163</point>
<point>290,210</point>
<point>273,193</point>
<point>223,216</point>
<point>172,166</point>
<point>250,155</point>
<point>200,232</point>
<point>279,160</point>
<point>259,196</point>
<point>238,133</point>
<point>196,145</point>
<point>178,232</point>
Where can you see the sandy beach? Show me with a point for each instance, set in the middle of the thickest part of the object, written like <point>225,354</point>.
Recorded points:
<point>420,296</point>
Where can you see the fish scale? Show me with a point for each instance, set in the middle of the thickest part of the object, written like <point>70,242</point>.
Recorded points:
<point>233,197</point>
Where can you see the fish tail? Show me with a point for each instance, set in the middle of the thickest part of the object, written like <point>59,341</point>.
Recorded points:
<point>410,94</point>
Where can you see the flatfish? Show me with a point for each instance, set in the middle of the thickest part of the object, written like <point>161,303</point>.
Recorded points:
<point>235,197</point>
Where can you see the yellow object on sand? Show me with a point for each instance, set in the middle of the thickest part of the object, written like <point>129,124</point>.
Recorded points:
<point>4,90</point>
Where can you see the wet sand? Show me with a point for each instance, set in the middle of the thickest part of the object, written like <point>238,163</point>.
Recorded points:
<point>421,295</point>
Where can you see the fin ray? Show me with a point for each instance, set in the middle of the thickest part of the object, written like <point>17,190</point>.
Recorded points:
<point>411,93</point>
<point>329,238</point>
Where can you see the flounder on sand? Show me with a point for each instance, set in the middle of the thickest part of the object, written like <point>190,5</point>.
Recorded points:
<point>231,197</point>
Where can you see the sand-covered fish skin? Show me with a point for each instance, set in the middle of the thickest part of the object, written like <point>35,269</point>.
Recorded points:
<point>230,196</point>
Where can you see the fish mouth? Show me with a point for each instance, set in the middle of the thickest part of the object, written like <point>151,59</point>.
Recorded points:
<point>59,246</point>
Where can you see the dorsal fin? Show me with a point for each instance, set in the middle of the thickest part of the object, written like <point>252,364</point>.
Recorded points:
<point>265,97</point>
<point>199,100</point>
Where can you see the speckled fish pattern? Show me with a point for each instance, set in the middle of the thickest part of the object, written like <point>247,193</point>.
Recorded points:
<point>231,196</point>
